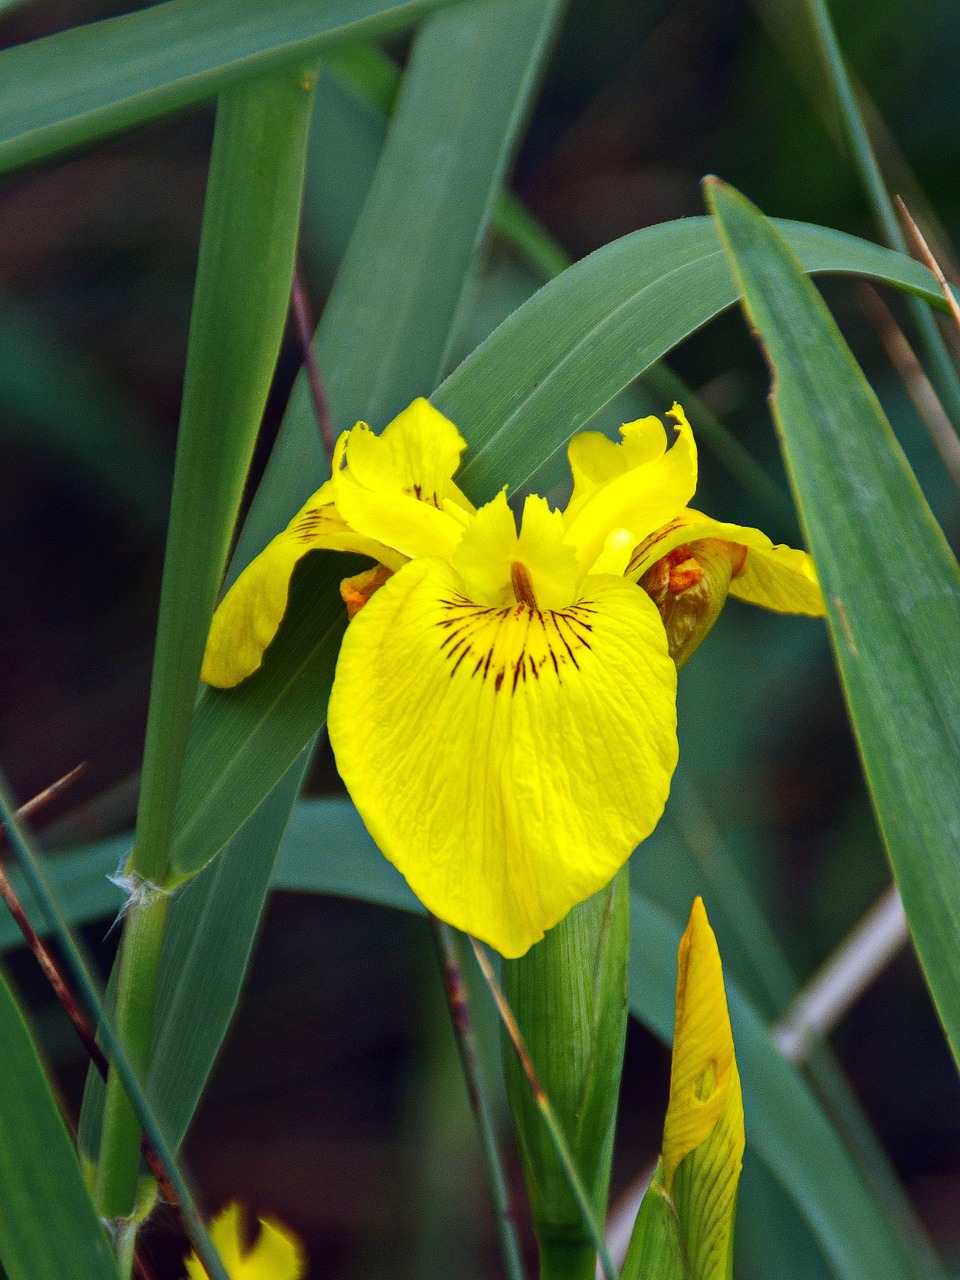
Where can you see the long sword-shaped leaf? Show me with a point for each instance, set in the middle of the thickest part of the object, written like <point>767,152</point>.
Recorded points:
<point>891,583</point>
<point>250,225</point>
<point>88,82</point>
<point>539,377</point>
<point>49,1228</point>
<point>451,138</point>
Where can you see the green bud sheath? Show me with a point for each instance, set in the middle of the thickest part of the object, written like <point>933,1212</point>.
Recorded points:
<point>656,1251</point>
<point>569,996</point>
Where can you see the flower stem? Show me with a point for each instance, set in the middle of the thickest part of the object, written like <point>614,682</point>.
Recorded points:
<point>457,1000</point>
<point>573,1260</point>
<point>119,1161</point>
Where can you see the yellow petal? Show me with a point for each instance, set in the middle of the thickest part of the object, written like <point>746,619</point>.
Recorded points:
<point>276,1254</point>
<point>397,487</point>
<point>507,760</point>
<point>491,547</point>
<point>250,614</point>
<point>702,1061</point>
<point>595,459</point>
<point>777,577</point>
<point>638,488</point>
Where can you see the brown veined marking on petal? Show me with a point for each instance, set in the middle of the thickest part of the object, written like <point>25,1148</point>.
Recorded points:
<point>432,501</point>
<point>641,552</point>
<point>573,621</point>
<point>307,524</point>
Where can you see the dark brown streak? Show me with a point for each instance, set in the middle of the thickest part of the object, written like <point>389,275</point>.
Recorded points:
<point>519,665</point>
<point>563,639</point>
<point>573,624</point>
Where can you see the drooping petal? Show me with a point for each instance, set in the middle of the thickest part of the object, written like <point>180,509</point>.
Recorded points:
<point>777,577</point>
<point>703,1135</point>
<point>276,1254</point>
<point>638,488</point>
<point>507,760</point>
<point>250,613</point>
<point>397,487</point>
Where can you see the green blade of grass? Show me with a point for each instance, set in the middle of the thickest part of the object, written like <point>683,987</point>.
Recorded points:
<point>86,83</point>
<point>539,377</point>
<point>244,272</point>
<point>210,931</point>
<point>467,118</point>
<point>49,1228</point>
<point>891,583</point>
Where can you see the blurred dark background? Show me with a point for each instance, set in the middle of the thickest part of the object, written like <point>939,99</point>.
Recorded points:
<point>337,1104</point>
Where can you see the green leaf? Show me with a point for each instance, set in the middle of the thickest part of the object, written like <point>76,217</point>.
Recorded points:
<point>468,149</point>
<point>383,338</point>
<point>250,225</point>
<point>91,81</point>
<point>891,583</point>
<point>538,378</point>
<point>241,299</point>
<point>49,1228</point>
<point>210,931</point>
<point>569,997</point>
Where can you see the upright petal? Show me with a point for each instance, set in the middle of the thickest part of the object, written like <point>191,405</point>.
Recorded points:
<point>638,488</point>
<point>250,614</point>
<point>491,547</point>
<point>777,577</point>
<point>397,487</point>
<point>507,760</point>
<point>595,459</point>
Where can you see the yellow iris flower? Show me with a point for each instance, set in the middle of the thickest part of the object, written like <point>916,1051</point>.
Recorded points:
<point>504,708</point>
<point>276,1254</point>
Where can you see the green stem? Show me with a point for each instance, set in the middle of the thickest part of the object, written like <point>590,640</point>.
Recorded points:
<point>119,1162</point>
<point>557,1242</point>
